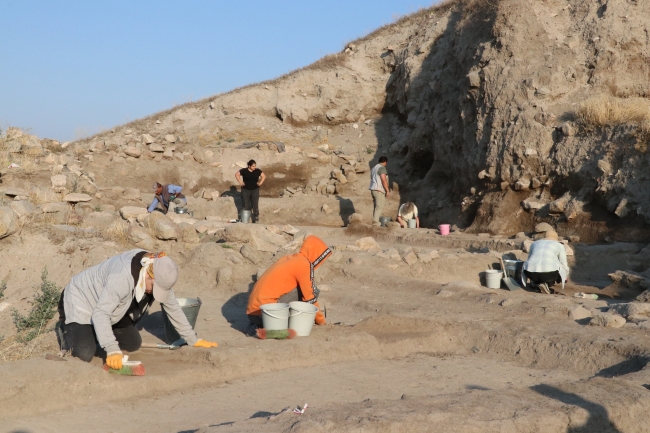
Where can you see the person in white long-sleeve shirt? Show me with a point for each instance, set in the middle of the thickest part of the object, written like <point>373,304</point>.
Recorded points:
<point>547,264</point>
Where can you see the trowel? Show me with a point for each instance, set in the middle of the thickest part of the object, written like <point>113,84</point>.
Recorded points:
<point>174,346</point>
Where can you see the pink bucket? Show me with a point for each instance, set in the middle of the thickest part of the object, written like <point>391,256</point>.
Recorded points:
<point>444,229</point>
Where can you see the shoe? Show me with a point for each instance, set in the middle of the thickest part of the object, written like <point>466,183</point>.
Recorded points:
<point>251,331</point>
<point>544,288</point>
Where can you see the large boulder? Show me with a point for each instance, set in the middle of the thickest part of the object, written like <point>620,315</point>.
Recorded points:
<point>253,256</point>
<point>132,212</point>
<point>258,237</point>
<point>8,223</point>
<point>23,208</point>
<point>607,320</point>
<point>188,233</point>
<point>162,227</point>
<point>141,238</point>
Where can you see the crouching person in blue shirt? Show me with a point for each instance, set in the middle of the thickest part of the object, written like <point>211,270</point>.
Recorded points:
<point>165,194</point>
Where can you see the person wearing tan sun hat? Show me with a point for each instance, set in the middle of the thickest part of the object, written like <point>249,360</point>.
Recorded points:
<point>101,305</point>
<point>547,263</point>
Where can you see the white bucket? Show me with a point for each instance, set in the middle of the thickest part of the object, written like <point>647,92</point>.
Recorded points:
<point>302,317</point>
<point>493,279</point>
<point>275,316</point>
<point>412,223</point>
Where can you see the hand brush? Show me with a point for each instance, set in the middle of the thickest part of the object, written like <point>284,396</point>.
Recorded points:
<point>275,334</point>
<point>129,368</point>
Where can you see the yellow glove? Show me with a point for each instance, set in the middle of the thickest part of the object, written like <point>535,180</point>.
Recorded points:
<point>206,344</point>
<point>114,360</point>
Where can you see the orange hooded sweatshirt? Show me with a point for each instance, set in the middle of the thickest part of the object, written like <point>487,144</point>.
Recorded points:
<point>288,273</point>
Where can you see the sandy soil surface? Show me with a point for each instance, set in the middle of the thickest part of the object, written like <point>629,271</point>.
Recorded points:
<point>405,347</point>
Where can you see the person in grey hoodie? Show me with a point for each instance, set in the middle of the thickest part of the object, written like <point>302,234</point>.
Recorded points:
<point>101,305</point>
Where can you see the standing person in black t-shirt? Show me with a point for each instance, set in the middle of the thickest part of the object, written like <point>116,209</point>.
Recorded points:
<point>250,179</point>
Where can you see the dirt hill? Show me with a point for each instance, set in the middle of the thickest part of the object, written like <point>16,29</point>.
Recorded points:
<point>478,104</point>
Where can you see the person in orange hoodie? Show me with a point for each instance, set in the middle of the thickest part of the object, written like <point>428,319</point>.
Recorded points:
<point>289,279</point>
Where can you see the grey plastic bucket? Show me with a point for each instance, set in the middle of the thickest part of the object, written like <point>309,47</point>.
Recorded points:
<point>412,223</point>
<point>190,307</point>
<point>302,317</point>
<point>275,316</point>
<point>245,216</point>
<point>383,221</point>
<point>493,279</point>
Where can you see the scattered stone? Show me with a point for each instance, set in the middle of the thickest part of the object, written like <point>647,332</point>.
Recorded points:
<point>234,258</point>
<point>147,139</point>
<point>16,192</point>
<point>250,254</point>
<point>543,227</point>
<point>258,237</point>
<point>521,236</point>
<point>579,312</point>
<point>156,148</point>
<point>522,184</point>
<point>531,205</point>
<point>426,257</point>
<point>507,302</point>
<point>59,182</point>
<point>445,294</point>
<point>368,244</point>
<point>410,258</point>
<point>607,320</point>
<point>355,261</point>
<point>133,151</point>
<point>224,275</point>
<point>326,209</point>
<point>169,138</point>
<point>355,218</point>
<point>527,245</point>
<point>76,198</point>
<point>289,229</point>
<point>635,311</point>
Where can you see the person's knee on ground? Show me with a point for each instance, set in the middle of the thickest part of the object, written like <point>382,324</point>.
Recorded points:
<point>80,340</point>
<point>129,339</point>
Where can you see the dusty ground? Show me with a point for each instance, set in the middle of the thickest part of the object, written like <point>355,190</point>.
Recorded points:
<point>405,347</point>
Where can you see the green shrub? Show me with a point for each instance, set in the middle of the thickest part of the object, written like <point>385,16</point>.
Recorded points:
<point>3,287</point>
<point>43,309</point>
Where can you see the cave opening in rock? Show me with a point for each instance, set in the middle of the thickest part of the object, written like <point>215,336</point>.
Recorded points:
<point>421,162</point>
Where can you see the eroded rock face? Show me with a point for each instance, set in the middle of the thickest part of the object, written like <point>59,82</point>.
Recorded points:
<point>8,223</point>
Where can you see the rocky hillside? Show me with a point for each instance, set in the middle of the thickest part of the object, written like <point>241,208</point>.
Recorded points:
<point>485,109</point>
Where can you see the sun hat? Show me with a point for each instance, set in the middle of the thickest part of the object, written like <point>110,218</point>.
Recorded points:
<point>165,273</point>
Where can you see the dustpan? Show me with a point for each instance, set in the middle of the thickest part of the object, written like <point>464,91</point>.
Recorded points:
<point>510,282</point>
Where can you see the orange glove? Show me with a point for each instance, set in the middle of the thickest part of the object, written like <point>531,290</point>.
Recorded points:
<point>205,344</point>
<point>114,360</point>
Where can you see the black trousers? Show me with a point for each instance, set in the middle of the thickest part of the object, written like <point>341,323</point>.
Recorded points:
<point>82,341</point>
<point>544,277</point>
<point>251,199</point>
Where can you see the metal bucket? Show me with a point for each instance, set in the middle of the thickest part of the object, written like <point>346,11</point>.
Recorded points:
<point>513,268</point>
<point>190,307</point>
<point>245,216</point>
<point>383,221</point>
<point>184,211</point>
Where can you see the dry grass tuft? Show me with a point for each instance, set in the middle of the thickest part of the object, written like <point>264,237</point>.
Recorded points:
<point>118,232</point>
<point>606,110</point>
<point>12,349</point>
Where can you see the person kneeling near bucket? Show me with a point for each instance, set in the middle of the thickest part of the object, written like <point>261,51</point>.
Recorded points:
<point>102,304</point>
<point>289,279</point>
<point>546,264</point>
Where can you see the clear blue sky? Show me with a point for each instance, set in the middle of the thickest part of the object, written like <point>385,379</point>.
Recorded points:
<point>71,68</point>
